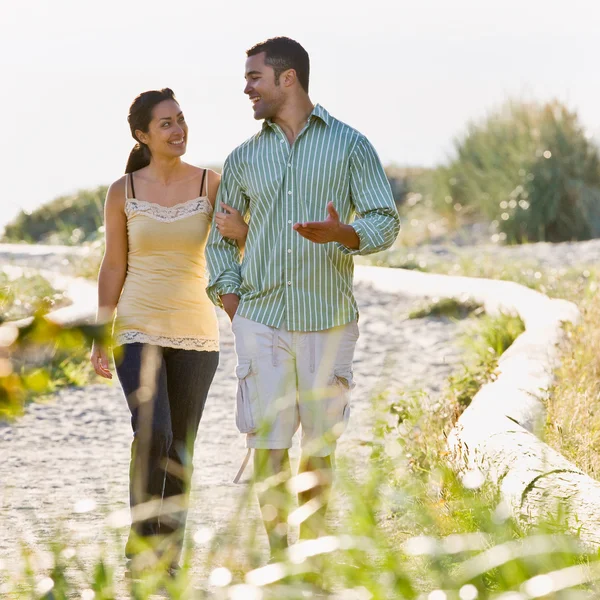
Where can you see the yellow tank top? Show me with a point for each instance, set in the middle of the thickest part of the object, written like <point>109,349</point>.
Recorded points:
<point>164,300</point>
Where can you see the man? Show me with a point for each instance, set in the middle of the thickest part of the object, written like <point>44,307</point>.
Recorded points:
<point>302,179</point>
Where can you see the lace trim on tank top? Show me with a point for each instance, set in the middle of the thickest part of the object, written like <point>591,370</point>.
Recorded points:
<point>168,214</point>
<point>132,337</point>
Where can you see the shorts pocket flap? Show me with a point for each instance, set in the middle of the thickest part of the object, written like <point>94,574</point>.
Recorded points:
<point>243,369</point>
<point>344,376</point>
<point>246,413</point>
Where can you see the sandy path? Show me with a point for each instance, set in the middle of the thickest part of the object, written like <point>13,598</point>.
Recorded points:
<point>77,447</point>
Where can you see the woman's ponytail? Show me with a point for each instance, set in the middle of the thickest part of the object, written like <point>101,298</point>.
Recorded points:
<point>139,157</point>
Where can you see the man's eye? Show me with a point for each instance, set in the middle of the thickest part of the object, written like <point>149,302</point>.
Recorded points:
<point>165,124</point>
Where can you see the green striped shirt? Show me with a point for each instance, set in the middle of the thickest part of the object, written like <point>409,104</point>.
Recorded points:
<point>284,279</point>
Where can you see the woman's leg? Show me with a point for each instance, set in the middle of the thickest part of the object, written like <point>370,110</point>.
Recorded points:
<point>189,375</point>
<point>142,373</point>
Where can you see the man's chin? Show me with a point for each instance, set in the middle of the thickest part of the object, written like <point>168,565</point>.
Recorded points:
<point>261,114</point>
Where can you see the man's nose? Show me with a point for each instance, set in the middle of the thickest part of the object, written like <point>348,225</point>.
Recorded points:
<point>247,89</point>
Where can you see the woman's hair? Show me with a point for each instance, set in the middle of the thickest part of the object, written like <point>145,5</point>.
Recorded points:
<point>140,115</point>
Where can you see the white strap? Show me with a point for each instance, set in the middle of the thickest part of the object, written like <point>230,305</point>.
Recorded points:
<point>243,467</point>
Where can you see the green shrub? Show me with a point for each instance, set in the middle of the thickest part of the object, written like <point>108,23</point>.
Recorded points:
<point>66,220</point>
<point>452,308</point>
<point>531,170</point>
<point>409,184</point>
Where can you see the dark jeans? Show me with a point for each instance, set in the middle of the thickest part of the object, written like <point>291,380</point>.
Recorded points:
<point>166,391</point>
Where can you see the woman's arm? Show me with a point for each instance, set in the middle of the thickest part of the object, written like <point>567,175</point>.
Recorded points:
<point>113,268</point>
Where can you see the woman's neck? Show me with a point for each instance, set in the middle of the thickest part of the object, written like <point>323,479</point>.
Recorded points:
<point>165,170</point>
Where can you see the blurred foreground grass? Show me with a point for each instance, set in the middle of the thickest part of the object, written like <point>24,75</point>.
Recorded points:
<point>409,527</point>
<point>412,528</point>
<point>47,357</point>
<point>25,294</point>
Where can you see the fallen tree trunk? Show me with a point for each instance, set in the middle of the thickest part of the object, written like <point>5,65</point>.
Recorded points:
<point>496,434</point>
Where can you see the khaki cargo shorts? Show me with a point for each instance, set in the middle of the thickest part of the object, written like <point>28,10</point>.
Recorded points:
<point>291,378</point>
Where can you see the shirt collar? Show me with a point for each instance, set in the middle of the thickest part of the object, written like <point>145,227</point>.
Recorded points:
<point>318,111</point>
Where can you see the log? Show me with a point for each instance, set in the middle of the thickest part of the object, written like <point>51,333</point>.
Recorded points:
<point>496,434</point>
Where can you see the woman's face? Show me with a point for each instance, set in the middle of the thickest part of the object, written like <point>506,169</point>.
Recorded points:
<point>167,133</point>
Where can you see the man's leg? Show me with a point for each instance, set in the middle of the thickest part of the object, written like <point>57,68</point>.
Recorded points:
<point>272,472</point>
<point>268,414</point>
<point>324,380</point>
<point>316,498</point>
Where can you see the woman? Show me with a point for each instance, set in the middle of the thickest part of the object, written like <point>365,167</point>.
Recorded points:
<point>157,219</point>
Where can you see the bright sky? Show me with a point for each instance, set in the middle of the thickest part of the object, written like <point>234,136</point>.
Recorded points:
<point>409,74</point>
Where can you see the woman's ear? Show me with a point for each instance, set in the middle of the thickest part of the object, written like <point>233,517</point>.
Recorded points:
<point>141,136</point>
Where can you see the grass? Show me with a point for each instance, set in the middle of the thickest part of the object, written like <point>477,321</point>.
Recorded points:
<point>446,307</point>
<point>414,529</point>
<point>560,282</point>
<point>573,413</point>
<point>26,294</point>
<point>410,528</point>
<point>487,340</point>
<point>41,360</point>
<point>573,408</point>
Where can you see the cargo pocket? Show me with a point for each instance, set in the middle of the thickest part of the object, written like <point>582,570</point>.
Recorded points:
<point>246,408</point>
<point>343,379</point>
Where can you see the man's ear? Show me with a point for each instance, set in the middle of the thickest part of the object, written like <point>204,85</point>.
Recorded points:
<point>289,77</point>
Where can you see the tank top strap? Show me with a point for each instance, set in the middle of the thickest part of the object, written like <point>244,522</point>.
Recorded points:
<point>132,188</point>
<point>202,184</point>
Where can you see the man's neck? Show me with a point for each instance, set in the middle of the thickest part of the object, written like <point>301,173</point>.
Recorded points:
<point>293,117</point>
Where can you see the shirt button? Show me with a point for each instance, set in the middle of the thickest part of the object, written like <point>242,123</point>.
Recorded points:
<point>289,250</point>
<point>289,192</point>
<point>289,222</point>
<point>290,165</point>
<point>289,283</point>
<point>281,141</point>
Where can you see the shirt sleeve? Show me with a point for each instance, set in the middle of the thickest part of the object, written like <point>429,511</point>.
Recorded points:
<point>223,256</point>
<point>377,222</point>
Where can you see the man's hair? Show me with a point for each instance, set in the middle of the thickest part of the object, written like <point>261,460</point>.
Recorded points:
<point>283,53</point>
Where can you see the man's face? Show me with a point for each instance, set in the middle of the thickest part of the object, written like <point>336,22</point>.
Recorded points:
<point>266,96</point>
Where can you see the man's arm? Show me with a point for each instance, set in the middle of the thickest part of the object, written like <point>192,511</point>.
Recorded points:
<point>223,255</point>
<point>377,223</point>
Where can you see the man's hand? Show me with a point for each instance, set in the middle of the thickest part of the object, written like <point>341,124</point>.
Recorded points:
<point>230,304</point>
<point>231,224</point>
<point>329,230</point>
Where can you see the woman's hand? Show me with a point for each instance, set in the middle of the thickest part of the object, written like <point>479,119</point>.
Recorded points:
<point>231,224</point>
<point>99,360</point>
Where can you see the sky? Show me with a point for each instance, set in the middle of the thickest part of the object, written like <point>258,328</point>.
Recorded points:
<point>409,74</point>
